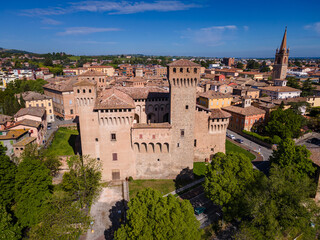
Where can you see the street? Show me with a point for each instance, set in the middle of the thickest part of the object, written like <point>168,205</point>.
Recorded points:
<point>265,152</point>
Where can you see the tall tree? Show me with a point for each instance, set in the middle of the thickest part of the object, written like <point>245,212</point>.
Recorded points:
<point>226,178</point>
<point>289,154</point>
<point>7,180</point>
<point>284,123</point>
<point>33,187</point>
<point>152,216</point>
<point>307,88</point>
<point>82,181</point>
<point>8,229</point>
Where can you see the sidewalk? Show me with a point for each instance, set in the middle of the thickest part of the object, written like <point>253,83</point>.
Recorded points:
<point>185,187</point>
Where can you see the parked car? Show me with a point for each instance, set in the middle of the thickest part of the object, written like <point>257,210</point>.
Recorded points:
<point>231,136</point>
<point>239,140</point>
<point>199,210</point>
<point>49,125</point>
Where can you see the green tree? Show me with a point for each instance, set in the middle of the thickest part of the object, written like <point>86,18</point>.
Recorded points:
<point>289,154</point>
<point>82,181</point>
<point>307,88</point>
<point>226,178</point>
<point>152,216</point>
<point>276,205</point>
<point>62,219</point>
<point>240,65</point>
<point>7,180</point>
<point>252,64</point>
<point>293,82</point>
<point>8,229</point>
<point>284,123</point>
<point>33,187</point>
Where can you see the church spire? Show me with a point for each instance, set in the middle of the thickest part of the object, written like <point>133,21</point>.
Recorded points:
<point>283,46</point>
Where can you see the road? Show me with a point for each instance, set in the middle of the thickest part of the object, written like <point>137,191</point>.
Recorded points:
<point>265,152</point>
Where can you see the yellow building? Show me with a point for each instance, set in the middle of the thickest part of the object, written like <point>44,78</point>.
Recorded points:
<point>314,101</point>
<point>108,70</point>
<point>212,99</point>
<point>34,99</point>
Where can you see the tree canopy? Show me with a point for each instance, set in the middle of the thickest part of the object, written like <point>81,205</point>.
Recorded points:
<point>152,216</point>
<point>7,180</point>
<point>33,187</point>
<point>289,154</point>
<point>284,123</point>
<point>8,229</point>
<point>227,177</point>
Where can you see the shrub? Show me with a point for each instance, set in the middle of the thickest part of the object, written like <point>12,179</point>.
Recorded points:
<point>130,179</point>
<point>265,139</point>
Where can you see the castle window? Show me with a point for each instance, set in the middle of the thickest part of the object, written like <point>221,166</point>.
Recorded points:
<point>182,132</point>
<point>195,70</point>
<point>188,70</point>
<point>84,91</point>
<point>71,111</point>
<point>158,160</point>
<point>97,139</point>
<point>174,70</point>
<point>115,174</point>
<point>178,145</point>
<point>113,137</point>
<point>195,143</point>
<point>114,156</point>
<point>98,159</point>
<point>90,90</point>
<point>187,106</point>
<point>78,91</point>
<point>181,70</point>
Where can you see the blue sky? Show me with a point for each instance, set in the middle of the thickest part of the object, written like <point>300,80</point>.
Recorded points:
<point>190,28</point>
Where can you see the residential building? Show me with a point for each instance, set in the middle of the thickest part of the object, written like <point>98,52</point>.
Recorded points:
<point>228,61</point>
<point>108,70</point>
<point>5,121</point>
<point>9,137</point>
<point>280,92</point>
<point>211,99</point>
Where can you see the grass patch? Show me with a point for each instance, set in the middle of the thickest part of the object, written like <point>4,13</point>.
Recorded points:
<point>199,169</point>
<point>231,147</point>
<point>63,143</point>
<point>162,185</point>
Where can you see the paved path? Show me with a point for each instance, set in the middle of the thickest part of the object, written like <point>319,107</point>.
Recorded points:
<point>106,212</point>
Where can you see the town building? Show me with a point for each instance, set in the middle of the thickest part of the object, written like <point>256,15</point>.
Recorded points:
<point>228,61</point>
<point>211,99</point>
<point>244,116</point>
<point>5,121</point>
<point>149,132</point>
<point>107,70</point>
<point>34,99</point>
<point>9,137</point>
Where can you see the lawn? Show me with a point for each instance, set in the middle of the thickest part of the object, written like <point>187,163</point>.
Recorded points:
<point>162,185</point>
<point>231,147</point>
<point>199,169</point>
<point>63,143</point>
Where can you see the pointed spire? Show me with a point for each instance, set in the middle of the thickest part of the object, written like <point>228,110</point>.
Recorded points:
<point>284,41</point>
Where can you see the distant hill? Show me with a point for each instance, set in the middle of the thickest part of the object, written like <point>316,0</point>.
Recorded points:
<point>3,50</point>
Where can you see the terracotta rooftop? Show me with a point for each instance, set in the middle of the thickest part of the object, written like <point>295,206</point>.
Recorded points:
<point>183,63</point>
<point>280,89</point>
<point>151,125</point>
<point>145,92</point>
<point>92,73</point>
<point>113,99</point>
<point>24,142</point>
<point>33,111</point>
<point>247,111</point>
<point>62,86</point>
<point>13,134</point>
<point>218,113</point>
<point>214,95</point>
<point>4,119</point>
<point>315,155</point>
<point>29,96</point>
<point>85,82</point>
<point>27,122</point>
<point>100,66</point>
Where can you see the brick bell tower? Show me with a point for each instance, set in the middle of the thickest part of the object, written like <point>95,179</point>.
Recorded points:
<point>281,60</point>
<point>183,76</point>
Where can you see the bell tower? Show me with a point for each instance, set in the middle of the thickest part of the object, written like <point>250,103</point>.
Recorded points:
<point>281,60</point>
<point>183,76</point>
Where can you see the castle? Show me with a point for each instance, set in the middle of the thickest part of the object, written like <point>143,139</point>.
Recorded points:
<point>148,132</point>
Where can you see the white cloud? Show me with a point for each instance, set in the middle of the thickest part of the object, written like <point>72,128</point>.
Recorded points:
<point>315,27</point>
<point>211,36</point>
<point>113,7</point>
<point>50,21</point>
<point>86,30</point>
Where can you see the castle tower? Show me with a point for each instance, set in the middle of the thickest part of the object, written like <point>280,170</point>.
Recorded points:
<point>183,76</point>
<point>281,59</point>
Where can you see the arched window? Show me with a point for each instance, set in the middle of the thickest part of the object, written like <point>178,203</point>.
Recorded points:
<point>181,70</point>
<point>195,70</point>
<point>174,70</point>
<point>84,91</point>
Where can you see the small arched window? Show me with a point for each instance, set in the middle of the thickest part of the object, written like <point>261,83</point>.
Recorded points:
<point>84,91</point>
<point>188,70</point>
<point>195,70</point>
<point>174,70</point>
<point>78,91</point>
<point>181,70</point>
<point>90,90</point>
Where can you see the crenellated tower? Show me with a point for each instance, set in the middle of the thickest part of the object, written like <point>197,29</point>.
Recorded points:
<point>183,76</point>
<point>281,60</point>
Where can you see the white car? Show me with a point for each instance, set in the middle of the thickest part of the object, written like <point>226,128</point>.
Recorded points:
<point>232,137</point>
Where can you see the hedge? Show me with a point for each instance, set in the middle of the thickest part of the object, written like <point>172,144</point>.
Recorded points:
<point>256,135</point>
